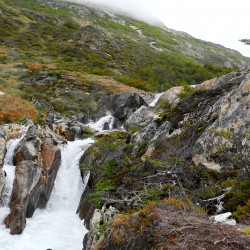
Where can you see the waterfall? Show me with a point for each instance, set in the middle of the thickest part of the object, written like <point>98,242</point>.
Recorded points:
<point>157,97</point>
<point>9,169</point>
<point>100,123</point>
<point>56,227</point>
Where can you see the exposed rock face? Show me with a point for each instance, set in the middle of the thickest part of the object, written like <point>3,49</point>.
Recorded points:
<point>86,208</point>
<point>170,95</point>
<point>71,130</point>
<point>37,159</point>
<point>222,104</point>
<point>232,113</point>
<point>3,137</point>
<point>100,217</point>
<point>140,118</point>
<point>49,163</point>
<point>142,136</point>
<point>207,84</point>
<point>123,105</point>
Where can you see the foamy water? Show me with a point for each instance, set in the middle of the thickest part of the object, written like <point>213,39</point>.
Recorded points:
<point>56,227</point>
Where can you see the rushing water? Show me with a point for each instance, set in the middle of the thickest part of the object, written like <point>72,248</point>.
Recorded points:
<point>57,227</point>
<point>100,123</point>
<point>157,97</point>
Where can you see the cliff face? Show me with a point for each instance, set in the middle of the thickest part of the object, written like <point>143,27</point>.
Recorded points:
<point>185,152</point>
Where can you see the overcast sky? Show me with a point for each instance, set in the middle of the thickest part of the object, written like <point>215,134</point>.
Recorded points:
<point>219,21</point>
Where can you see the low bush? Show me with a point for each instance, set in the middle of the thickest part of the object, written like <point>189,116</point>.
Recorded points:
<point>15,109</point>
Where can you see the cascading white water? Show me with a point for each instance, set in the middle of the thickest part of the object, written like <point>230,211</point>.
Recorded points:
<point>157,97</point>
<point>100,123</point>
<point>56,227</point>
<point>9,169</point>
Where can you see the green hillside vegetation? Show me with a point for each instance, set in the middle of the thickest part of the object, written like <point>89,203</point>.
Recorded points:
<point>63,40</point>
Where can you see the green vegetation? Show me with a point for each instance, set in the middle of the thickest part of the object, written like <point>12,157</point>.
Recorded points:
<point>111,163</point>
<point>37,33</point>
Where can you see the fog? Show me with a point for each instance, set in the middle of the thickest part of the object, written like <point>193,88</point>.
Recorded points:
<point>139,9</point>
<point>218,21</point>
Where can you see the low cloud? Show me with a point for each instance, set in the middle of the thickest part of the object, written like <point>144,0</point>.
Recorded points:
<point>133,8</point>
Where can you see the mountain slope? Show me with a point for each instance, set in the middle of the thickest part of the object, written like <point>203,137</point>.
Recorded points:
<point>47,46</point>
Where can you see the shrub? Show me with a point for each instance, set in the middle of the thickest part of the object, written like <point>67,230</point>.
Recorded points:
<point>71,24</point>
<point>14,109</point>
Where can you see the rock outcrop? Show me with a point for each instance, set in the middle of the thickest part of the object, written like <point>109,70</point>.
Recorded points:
<point>140,118</point>
<point>230,113</point>
<point>37,159</point>
<point>99,219</point>
<point>180,134</point>
<point>120,106</point>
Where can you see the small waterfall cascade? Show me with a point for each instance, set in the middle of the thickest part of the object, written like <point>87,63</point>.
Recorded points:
<point>9,169</point>
<point>56,227</point>
<point>100,123</point>
<point>157,97</point>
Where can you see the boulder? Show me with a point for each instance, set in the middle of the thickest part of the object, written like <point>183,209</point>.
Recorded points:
<point>170,95</point>
<point>206,84</point>
<point>2,151</point>
<point>28,148</point>
<point>49,164</point>
<point>37,159</point>
<point>232,114</point>
<point>220,217</point>
<point>27,177</point>
<point>123,105</point>
<point>100,217</point>
<point>142,136</point>
<point>140,118</point>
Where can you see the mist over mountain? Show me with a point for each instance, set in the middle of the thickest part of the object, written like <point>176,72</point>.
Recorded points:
<point>135,9</point>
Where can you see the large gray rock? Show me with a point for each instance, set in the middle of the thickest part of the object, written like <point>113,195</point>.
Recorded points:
<point>37,159</point>
<point>142,136</point>
<point>232,113</point>
<point>140,118</point>
<point>123,105</point>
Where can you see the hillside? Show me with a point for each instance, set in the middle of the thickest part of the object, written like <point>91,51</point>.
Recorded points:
<point>92,156</point>
<point>47,46</point>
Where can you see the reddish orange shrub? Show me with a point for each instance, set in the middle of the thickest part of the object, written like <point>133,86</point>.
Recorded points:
<point>14,109</point>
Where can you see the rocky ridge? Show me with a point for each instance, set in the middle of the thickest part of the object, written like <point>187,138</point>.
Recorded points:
<point>221,105</point>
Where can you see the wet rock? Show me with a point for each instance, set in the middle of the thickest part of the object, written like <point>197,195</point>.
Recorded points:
<point>106,126</point>
<point>2,181</point>
<point>49,164</point>
<point>86,208</point>
<point>27,177</point>
<point>37,159</point>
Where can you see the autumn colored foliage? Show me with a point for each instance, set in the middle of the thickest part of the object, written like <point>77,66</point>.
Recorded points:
<point>14,109</point>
